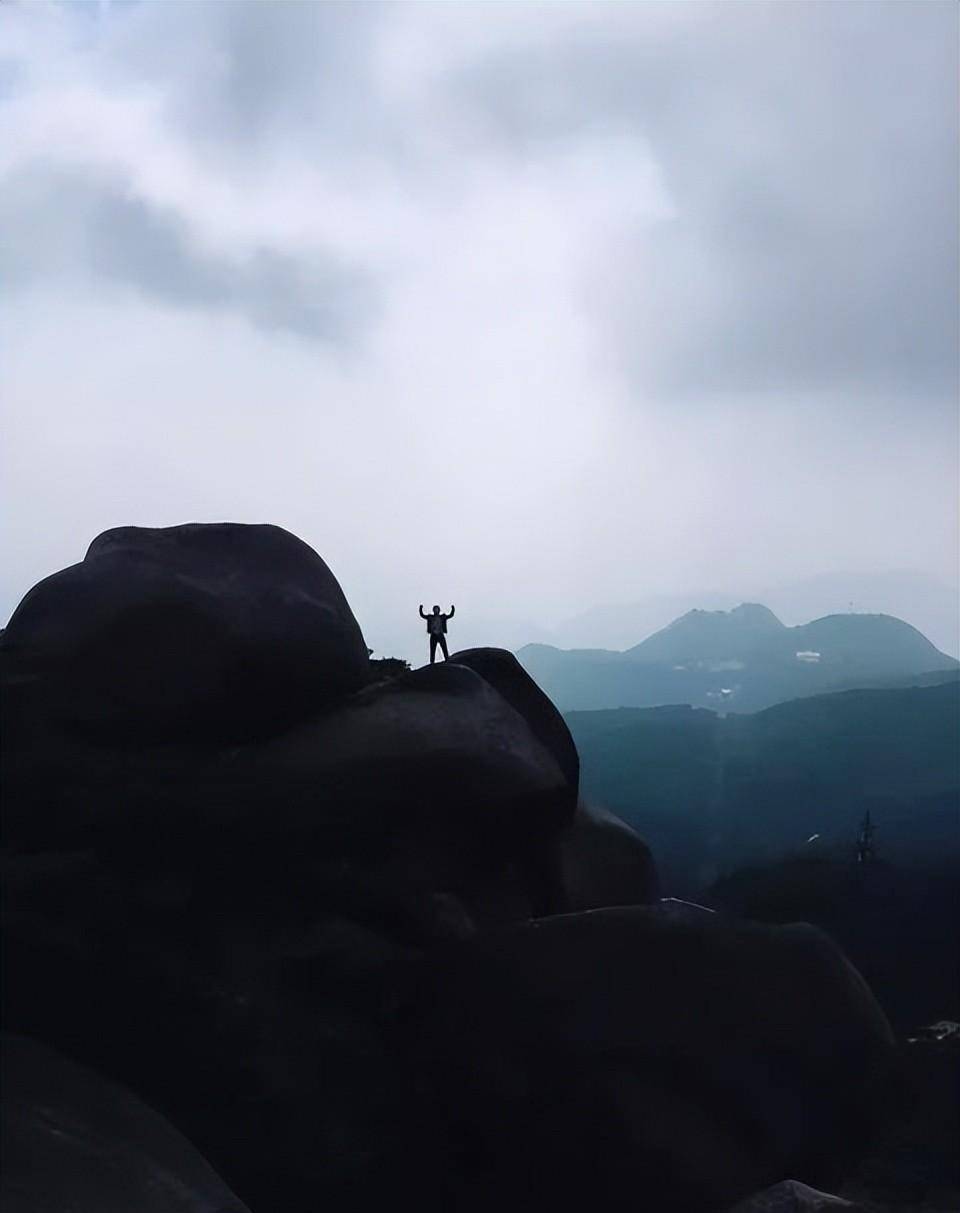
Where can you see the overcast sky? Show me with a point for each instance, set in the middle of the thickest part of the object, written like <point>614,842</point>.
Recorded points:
<point>524,307</point>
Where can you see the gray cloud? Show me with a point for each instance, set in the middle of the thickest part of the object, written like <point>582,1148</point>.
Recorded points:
<point>60,224</point>
<point>811,156</point>
<point>241,78</point>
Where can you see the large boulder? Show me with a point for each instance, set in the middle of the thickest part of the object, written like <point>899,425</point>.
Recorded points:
<point>321,1047</point>
<point>194,633</point>
<point>258,1010</point>
<point>238,930</point>
<point>416,745</point>
<point>677,1058</point>
<point>72,1140</point>
<point>793,1197</point>
<point>434,767</point>
<point>604,862</point>
<point>502,670</point>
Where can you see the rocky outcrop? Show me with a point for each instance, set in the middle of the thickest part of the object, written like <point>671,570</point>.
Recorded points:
<point>793,1197</point>
<point>603,862</point>
<point>681,1054</point>
<point>198,632</point>
<point>72,1140</point>
<point>503,672</point>
<point>373,775</point>
<point>333,1031</point>
<point>327,939</point>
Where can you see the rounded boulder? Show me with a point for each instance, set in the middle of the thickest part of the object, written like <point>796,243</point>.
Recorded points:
<point>604,862</point>
<point>691,1058</point>
<point>204,631</point>
<point>431,773</point>
<point>502,670</point>
<point>73,1140</point>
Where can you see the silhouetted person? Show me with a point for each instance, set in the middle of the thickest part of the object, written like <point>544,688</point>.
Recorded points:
<point>436,629</point>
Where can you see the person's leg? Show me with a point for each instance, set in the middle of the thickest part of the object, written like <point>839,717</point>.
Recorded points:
<point>443,645</point>
<point>433,648</point>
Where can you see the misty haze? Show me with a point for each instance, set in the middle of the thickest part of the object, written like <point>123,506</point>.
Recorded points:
<point>629,881</point>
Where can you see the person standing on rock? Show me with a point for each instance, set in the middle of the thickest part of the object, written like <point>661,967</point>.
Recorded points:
<point>436,629</point>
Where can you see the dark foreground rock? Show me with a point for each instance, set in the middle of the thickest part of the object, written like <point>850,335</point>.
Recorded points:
<point>913,1166</point>
<point>319,925</point>
<point>432,771</point>
<point>254,1002</point>
<point>793,1197</point>
<point>503,672</point>
<point>604,862</point>
<point>341,1048</point>
<point>688,1057</point>
<point>184,633</point>
<point>73,1141</point>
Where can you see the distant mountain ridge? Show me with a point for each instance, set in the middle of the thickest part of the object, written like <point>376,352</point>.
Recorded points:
<point>741,660</point>
<point>931,604</point>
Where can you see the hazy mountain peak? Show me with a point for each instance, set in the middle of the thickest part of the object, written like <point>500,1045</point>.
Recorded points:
<point>750,614</point>
<point>929,605</point>
<point>756,614</point>
<point>740,659</point>
<point>717,635</point>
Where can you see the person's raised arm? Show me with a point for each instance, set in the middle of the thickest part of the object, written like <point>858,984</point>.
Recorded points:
<point>422,616</point>
<point>452,609</point>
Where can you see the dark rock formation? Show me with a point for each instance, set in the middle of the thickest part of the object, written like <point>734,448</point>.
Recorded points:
<point>433,767</point>
<point>308,919</point>
<point>235,928</point>
<point>685,1056</point>
<point>603,862</point>
<point>254,999</point>
<point>208,632</point>
<point>72,1140</point>
<point>331,1033</point>
<point>793,1197</point>
<point>502,670</point>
